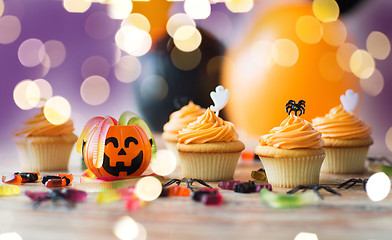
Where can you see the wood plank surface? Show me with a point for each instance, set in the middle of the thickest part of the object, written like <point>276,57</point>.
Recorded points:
<point>241,216</point>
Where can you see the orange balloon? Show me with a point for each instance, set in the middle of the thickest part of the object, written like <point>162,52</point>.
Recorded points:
<point>263,74</point>
<point>156,11</point>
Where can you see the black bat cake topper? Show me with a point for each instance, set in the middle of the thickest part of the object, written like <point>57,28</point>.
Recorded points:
<point>291,106</point>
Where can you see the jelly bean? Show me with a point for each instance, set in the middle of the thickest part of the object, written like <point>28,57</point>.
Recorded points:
<point>262,186</point>
<point>28,177</point>
<point>133,204</point>
<point>245,187</point>
<point>208,196</point>
<point>228,185</point>
<point>48,177</point>
<point>288,200</point>
<point>259,175</point>
<point>56,183</point>
<point>247,155</point>
<point>69,176</point>
<point>73,195</point>
<point>9,190</point>
<point>15,180</point>
<point>108,197</point>
<point>126,193</point>
<point>36,195</point>
<point>59,180</point>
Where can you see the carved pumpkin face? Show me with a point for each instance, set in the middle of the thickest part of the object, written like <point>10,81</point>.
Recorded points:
<point>127,152</point>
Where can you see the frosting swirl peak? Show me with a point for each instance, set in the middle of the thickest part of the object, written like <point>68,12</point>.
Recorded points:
<point>181,118</point>
<point>293,133</point>
<point>341,125</point>
<point>208,128</point>
<point>39,126</point>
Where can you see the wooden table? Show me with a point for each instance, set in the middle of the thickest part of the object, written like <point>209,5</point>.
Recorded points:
<point>242,216</point>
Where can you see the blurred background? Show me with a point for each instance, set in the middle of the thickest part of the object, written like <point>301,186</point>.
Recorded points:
<point>87,58</point>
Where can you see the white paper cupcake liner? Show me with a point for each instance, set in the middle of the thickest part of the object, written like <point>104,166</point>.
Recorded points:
<point>45,153</point>
<point>291,172</point>
<point>345,160</point>
<point>209,166</point>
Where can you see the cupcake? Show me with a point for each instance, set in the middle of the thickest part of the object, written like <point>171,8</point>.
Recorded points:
<point>209,148</point>
<point>177,121</point>
<point>347,140</point>
<point>292,153</point>
<point>42,146</point>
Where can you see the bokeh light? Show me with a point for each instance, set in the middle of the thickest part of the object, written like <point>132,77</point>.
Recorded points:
<point>45,90</point>
<point>154,87</point>
<point>326,10</point>
<point>95,65</point>
<point>1,8</point>
<point>31,52</point>
<point>134,41</point>
<point>178,20</point>
<point>10,236</point>
<point>137,20</point>
<point>126,228</point>
<point>343,55</point>
<point>309,29</point>
<point>57,110</point>
<point>238,6</point>
<point>219,23</point>
<point>165,163</point>
<point>119,9</point>
<point>378,186</point>
<point>77,6</point>
<point>306,236</point>
<point>185,60</point>
<point>99,26</point>
<point>329,67</point>
<point>95,90</point>
<point>335,33</point>
<point>378,45</point>
<point>388,139</point>
<point>128,69</point>
<point>374,84</point>
<point>187,38</point>
<point>26,94</point>
<point>284,52</point>
<point>148,188</point>
<point>56,52</point>
<point>197,9</point>
<point>10,29</point>
<point>362,64</point>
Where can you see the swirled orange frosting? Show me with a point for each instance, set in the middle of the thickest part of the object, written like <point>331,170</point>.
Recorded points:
<point>208,128</point>
<point>181,118</point>
<point>342,125</point>
<point>293,133</point>
<point>39,126</point>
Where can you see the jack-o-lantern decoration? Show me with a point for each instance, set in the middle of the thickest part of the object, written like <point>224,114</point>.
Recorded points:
<point>117,150</point>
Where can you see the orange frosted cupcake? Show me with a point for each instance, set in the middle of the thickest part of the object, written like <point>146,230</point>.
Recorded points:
<point>43,146</point>
<point>209,148</point>
<point>347,140</point>
<point>292,153</point>
<point>177,121</point>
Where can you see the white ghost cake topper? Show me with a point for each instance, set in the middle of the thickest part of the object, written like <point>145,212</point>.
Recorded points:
<point>220,98</point>
<point>349,100</point>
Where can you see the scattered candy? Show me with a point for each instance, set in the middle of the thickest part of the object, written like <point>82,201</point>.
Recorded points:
<point>208,196</point>
<point>133,203</point>
<point>247,155</point>
<point>228,185</point>
<point>9,190</point>
<point>70,196</point>
<point>175,191</point>
<point>15,179</point>
<point>69,176</point>
<point>57,183</point>
<point>108,197</point>
<point>259,175</point>
<point>288,201</point>
<point>28,177</point>
<point>243,187</point>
